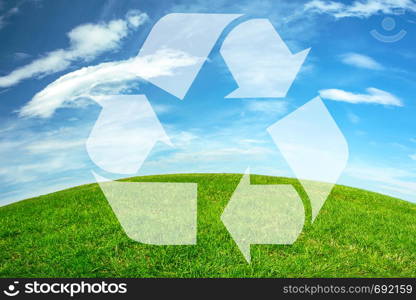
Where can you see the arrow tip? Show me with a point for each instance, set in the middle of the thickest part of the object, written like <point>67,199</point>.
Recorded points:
<point>245,250</point>
<point>247,172</point>
<point>166,139</point>
<point>230,217</point>
<point>301,56</point>
<point>228,220</point>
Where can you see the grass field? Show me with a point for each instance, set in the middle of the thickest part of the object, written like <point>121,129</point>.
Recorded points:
<point>74,233</point>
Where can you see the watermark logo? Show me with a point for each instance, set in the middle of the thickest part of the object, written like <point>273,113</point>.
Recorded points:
<point>65,288</point>
<point>164,213</point>
<point>389,25</point>
<point>12,290</point>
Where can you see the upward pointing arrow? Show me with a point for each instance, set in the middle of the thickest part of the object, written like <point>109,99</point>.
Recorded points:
<point>263,214</point>
<point>260,61</point>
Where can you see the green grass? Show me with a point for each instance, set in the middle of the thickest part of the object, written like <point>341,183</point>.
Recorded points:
<point>74,233</point>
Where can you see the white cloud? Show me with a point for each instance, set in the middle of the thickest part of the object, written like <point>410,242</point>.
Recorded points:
<point>28,154</point>
<point>359,9</point>
<point>86,41</point>
<point>9,13</point>
<point>21,55</point>
<point>353,118</point>
<point>183,139</point>
<point>374,96</point>
<point>135,18</point>
<point>386,179</point>
<point>413,156</point>
<point>252,141</point>
<point>27,172</point>
<point>161,109</point>
<point>70,88</point>
<point>361,61</point>
<point>215,155</point>
<point>269,107</point>
<point>52,145</point>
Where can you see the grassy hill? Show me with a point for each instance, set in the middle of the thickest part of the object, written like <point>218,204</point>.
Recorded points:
<point>74,233</point>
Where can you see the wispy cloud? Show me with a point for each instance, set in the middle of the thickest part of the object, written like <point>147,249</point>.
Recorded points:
<point>230,146</point>
<point>34,156</point>
<point>269,107</point>
<point>86,42</point>
<point>353,118</point>
<point>222,155</point>
<point>386,179</point>
<point>9,13</point>
<point>21,56</point>
<point>361,61</point>
<point>80,84</point>
<point>359,9</point>
<point>52,145</point>
<point>413,156</point>
<point>373,96</point>
<point>40,154</point>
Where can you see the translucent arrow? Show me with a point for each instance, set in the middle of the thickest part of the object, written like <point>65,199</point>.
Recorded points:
<point>260,61</point>
<point>192,36</point>
<point>263,214</point>
<point>124,134</point>
<point>315,149</point>
<point>152,212</point>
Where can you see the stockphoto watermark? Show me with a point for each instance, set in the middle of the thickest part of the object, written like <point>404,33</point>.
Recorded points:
<point>389,25</point>
<point>64,288</point>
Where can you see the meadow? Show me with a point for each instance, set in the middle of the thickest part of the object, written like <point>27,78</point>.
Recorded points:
<point>74,233</point>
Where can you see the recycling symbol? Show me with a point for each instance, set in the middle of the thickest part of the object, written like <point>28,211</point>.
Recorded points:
<point>164,213</point>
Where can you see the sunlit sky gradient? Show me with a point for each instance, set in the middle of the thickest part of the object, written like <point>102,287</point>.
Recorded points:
<point>368,86</point>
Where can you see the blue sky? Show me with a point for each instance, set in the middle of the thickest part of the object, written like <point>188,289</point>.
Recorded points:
<point>367,85</point>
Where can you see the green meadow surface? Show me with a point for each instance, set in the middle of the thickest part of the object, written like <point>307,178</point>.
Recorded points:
<point>74,233</point>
